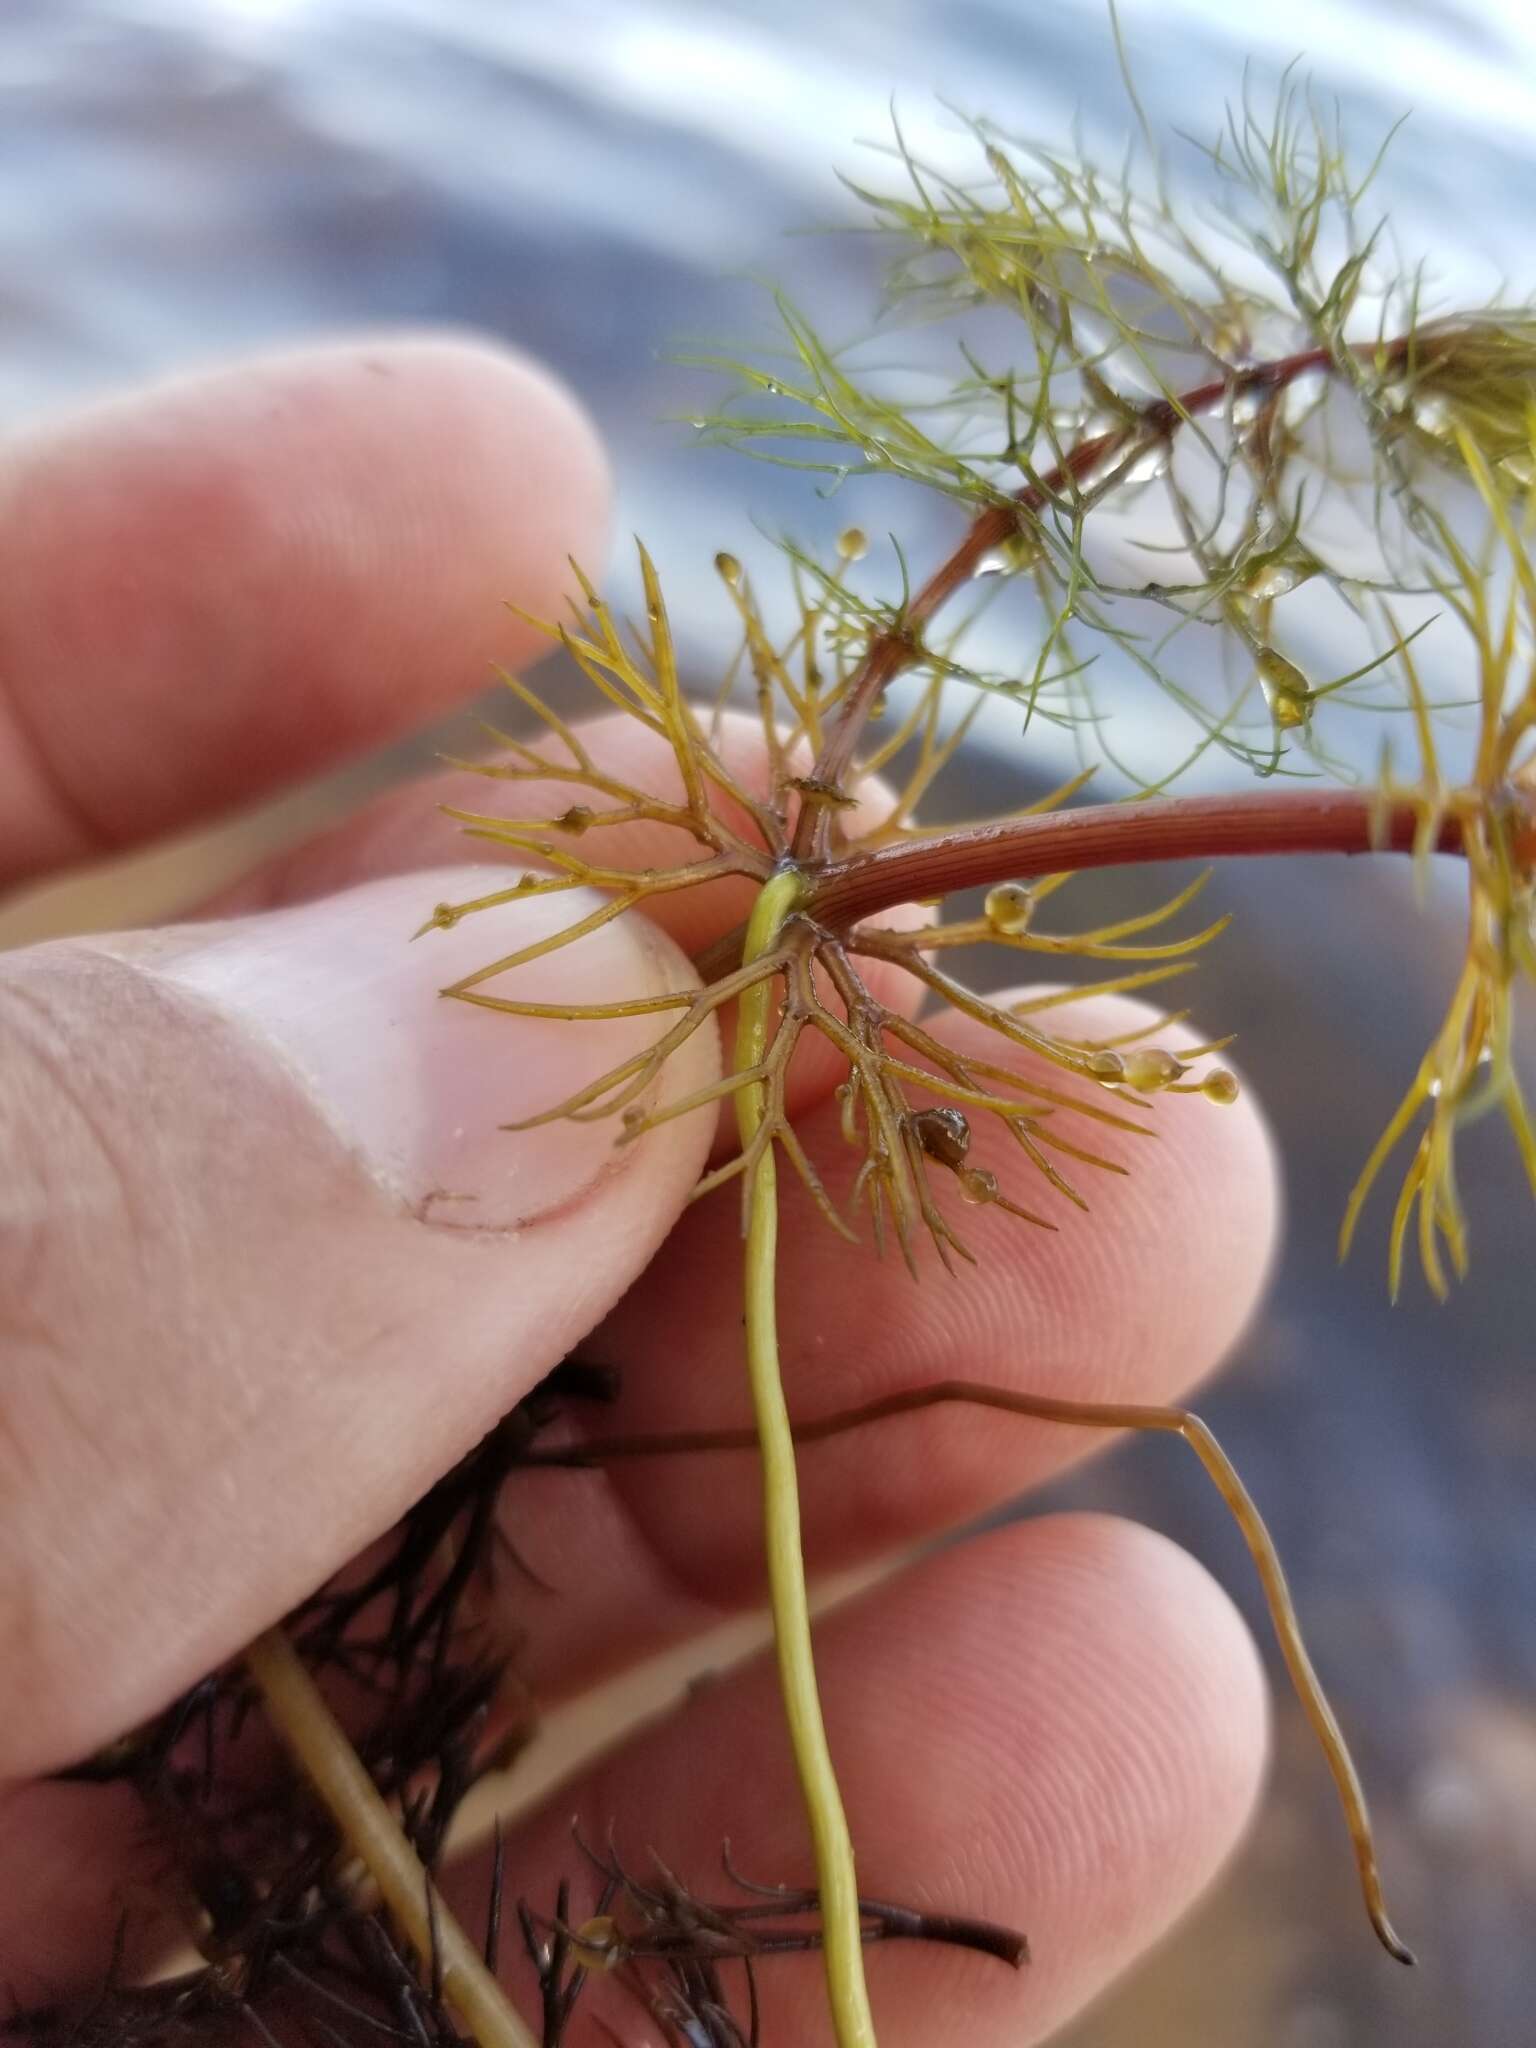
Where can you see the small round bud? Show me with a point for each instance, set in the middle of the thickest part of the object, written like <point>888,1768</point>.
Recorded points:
<point>944,1134</point>
<point>1286,689</point>
<point>1149,1068</point>
<point>1009,908</point>
<point>1107,1067</point>
<point>444,917</point>
<point>1219,1085</point>
<point>847,1111</point>
<point>597,1944</point>
<point>853,544</point>
<point>728,569</point>
<point>575,820</point>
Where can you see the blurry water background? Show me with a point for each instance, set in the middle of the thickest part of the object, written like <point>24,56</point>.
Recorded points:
<point>181,180</point>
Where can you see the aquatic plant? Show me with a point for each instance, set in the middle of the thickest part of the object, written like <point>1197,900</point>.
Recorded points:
<point>1253,406</point>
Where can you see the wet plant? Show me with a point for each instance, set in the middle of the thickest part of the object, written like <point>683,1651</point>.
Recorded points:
<point>1205,406</point>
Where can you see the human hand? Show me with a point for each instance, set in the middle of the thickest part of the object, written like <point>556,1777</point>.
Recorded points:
<point>269,1265</point>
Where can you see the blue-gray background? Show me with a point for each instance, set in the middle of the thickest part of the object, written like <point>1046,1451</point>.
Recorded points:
<point>185,179</point>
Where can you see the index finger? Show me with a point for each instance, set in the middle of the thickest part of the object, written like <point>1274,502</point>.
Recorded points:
<point>241,578</point>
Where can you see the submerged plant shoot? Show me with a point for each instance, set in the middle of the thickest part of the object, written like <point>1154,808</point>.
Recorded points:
<point>1176,418</point>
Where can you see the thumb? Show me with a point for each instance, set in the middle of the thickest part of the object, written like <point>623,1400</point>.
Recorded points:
<point>268,1265</point>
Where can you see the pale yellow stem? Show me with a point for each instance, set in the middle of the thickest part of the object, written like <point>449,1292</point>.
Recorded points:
<point>843,1948</point>
<point>301,1716</point>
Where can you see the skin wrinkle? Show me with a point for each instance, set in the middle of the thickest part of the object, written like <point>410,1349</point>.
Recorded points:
<point>52,1164</point>
<point>1131,1797</point>
<point>77,1143</point>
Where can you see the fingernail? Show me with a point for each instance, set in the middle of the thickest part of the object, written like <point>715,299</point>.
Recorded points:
<point>416,1084</point>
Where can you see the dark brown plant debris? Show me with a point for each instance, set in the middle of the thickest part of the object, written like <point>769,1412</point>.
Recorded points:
<point>294,1949</point>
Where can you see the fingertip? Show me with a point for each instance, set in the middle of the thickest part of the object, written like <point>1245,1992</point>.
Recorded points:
<point>266,567</point>
<point>1097,1759</point>
<point>529,444</point>
<point>1059,1727</point>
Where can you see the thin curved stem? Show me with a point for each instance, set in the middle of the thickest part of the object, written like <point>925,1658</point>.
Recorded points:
<point>1105,1415</point>
<point>837,1885</point>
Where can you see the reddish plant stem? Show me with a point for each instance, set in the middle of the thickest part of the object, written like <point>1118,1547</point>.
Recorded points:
<point>1247,822</point>
<point>1236,826</point>
<point>891,652</point>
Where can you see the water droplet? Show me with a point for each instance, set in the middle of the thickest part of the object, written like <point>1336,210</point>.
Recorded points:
<point>1275,579</point>
<point>698,426</point>
<point>853,544</point>
<point>1009,908</point>
<point>1435,1089</point>
<point>1150,1067</point>
<point>1017,552</point>
<point>1433,414</point>
<point>1219,1085</point>
<point>976,1184</point>
<point>1149,465</point>
<point>1107,1067</point>
<point>728,569</point>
